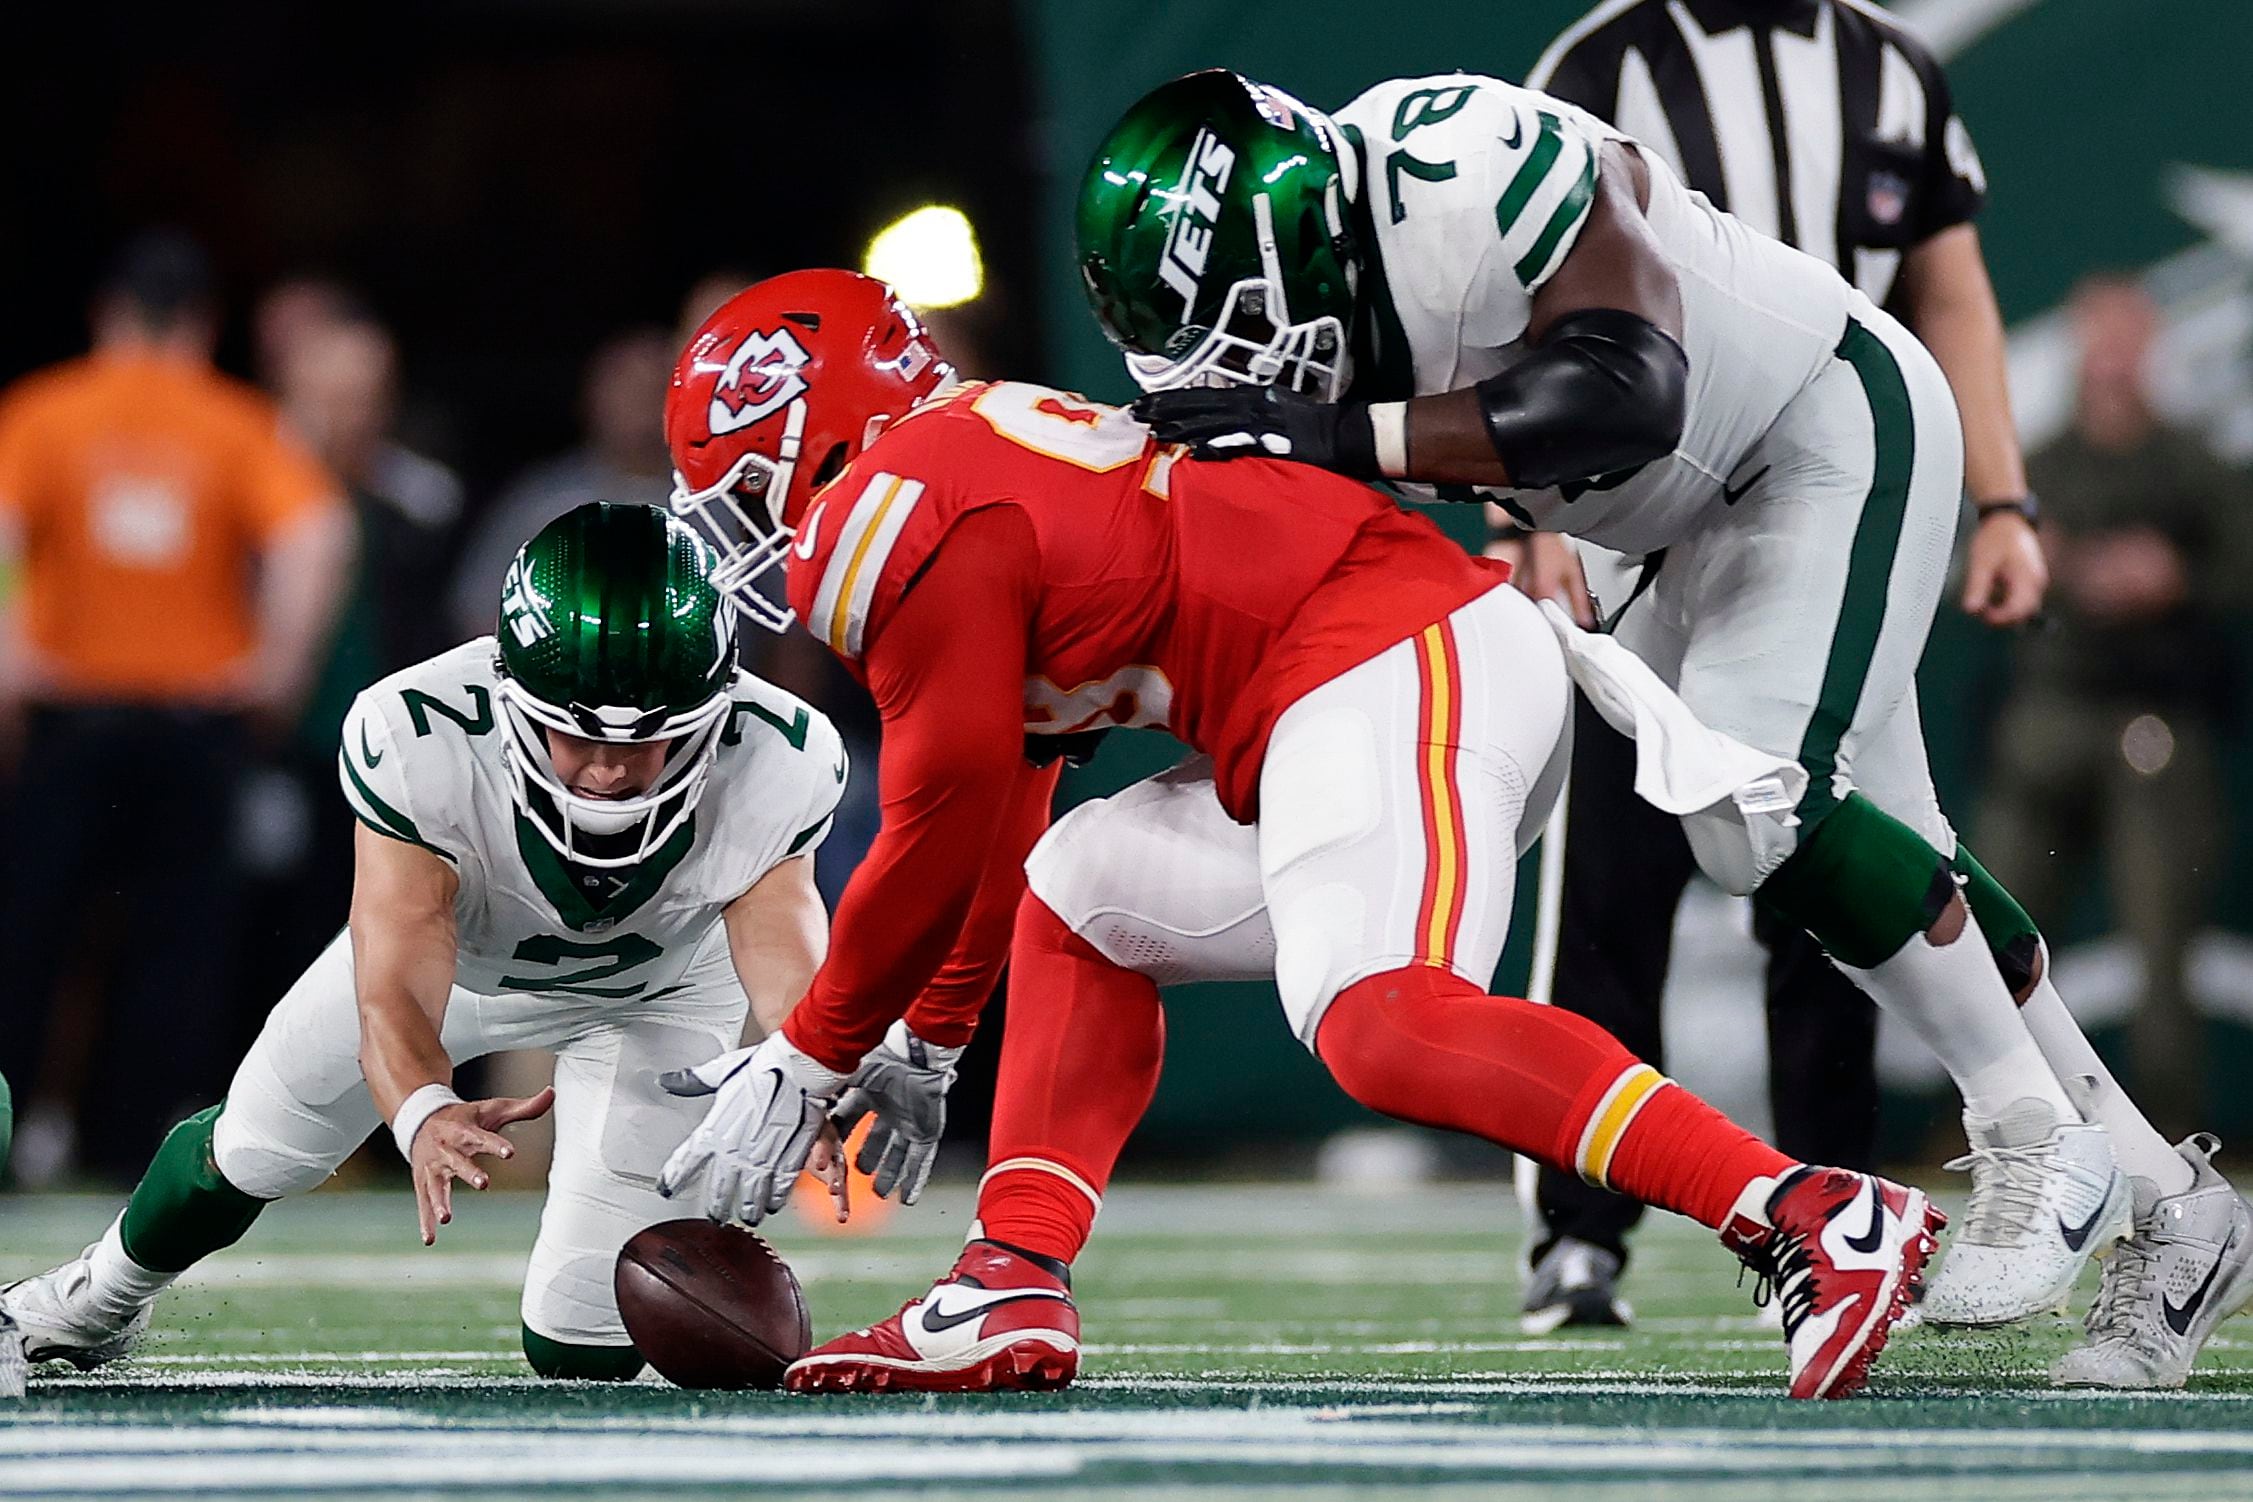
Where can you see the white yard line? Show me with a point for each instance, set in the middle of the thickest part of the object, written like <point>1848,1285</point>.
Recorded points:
<point>272,1449</point>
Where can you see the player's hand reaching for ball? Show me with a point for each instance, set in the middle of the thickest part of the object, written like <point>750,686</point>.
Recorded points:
<point>904,1082</point>
<point>770,1105</point>
<point>450,1141</point>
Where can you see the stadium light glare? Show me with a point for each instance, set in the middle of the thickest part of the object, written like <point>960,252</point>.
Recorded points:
<point>930,256</point>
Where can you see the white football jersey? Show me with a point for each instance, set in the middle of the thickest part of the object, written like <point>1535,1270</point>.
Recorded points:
<point>1477,190</point>
<point>421,761</point>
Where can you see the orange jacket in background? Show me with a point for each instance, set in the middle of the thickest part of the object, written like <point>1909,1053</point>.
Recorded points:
<point>144,488</point>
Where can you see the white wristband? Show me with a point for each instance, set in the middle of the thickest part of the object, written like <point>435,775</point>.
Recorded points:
<point>1388,427</point>
<point>417,1109</point>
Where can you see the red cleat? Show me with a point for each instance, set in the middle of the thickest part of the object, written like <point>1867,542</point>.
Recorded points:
<point>998,1322</point>
<point>1845,1252</point>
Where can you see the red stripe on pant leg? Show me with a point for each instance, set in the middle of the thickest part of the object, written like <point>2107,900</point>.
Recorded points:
<point>1079,1062</point>
<point>1426,808</point>
<point>1454,742</point>
<point>1427,1046</point>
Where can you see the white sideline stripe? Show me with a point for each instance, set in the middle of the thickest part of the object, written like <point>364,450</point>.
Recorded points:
<point>350,1449</point>
<point>315,1428</point>
<point>1587,1384</point>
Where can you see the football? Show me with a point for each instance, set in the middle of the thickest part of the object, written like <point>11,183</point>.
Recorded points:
<point>711,1306</point>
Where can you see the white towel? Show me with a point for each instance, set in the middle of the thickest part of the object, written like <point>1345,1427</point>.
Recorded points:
<point>1682,765</point>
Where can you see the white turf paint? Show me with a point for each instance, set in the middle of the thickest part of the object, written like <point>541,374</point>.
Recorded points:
<point>1283,1388</point>
<point>355,1448</point>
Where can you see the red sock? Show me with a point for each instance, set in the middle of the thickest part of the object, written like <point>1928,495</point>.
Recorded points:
<point>1425,1045</point>
<point>1079,1063</point>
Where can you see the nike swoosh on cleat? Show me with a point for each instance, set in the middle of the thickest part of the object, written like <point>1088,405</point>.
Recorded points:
<point>1730,495</point>
<point>935,1321</point>
<point>1870,1240</point>
<point>2180,1316</point>
<point>2077,1237</point>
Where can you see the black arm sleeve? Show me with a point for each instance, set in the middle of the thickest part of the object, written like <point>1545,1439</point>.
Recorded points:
<point>1604,390</point>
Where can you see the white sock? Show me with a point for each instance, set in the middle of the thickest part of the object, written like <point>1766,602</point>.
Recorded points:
<point>120,1284</point>
<point>1953,997</point>
<point>2136,1144</point>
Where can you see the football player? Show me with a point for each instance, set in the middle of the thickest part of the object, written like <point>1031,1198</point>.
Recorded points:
<point>1379,728</point>
<point>594,834</point>
<point>1464,283</point>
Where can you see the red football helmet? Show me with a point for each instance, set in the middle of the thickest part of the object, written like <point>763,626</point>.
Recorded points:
<point>775,394</point>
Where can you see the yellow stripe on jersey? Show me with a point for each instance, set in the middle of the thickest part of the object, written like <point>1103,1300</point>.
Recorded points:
<point>856,563</point>
<point>1608,1123</point>
<point>1444,892</point>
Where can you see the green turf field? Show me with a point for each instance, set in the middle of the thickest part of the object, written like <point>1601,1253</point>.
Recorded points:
<point>1243,1340</point>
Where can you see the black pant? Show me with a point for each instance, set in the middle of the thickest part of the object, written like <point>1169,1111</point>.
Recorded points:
<point>1626,865</point>
<point>126,811</point>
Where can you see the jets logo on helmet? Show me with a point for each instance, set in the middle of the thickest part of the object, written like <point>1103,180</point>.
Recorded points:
<point>1204,178</point>
<point>523,612</point>
<point>1215,242</point>
<point>765,373</point>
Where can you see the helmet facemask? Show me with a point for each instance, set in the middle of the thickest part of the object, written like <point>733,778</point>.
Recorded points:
<point>608,833</point>
<point>740,515</point>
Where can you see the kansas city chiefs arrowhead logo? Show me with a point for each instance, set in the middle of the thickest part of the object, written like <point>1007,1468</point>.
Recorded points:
<point>764,375</point>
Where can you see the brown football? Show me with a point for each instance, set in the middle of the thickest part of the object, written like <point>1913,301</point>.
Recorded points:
<point>711,1305</point>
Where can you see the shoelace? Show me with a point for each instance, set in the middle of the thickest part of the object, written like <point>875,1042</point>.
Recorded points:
<point>2006,1193</point>
<point>2130,1275</point>
<point>1786,1273</point>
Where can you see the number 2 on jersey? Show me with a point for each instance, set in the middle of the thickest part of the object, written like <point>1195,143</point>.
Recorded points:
<point>617,954</point>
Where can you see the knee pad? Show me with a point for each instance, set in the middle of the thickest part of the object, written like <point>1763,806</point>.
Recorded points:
<point>264,1170</point>
<point>2011,934</point>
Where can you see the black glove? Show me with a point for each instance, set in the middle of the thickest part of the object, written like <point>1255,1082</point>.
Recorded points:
<point>1264,422</point>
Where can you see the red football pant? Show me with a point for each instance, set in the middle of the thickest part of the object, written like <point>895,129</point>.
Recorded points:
<point>1424,1045</point>
<point>1079,1063</point>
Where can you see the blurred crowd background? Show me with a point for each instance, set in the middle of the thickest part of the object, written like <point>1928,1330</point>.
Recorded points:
<point>316,315</point>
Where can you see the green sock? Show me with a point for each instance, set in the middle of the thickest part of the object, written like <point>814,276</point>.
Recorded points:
<point>184,1209</point>
<point>1863,883</point>
<point>2011,934</point>
<point>555,1358</point>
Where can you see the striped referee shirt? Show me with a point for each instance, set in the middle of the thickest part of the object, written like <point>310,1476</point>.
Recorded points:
<point>1821,122</point>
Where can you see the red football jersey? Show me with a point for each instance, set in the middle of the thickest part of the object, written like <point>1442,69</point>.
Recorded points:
<point>1200,597</point>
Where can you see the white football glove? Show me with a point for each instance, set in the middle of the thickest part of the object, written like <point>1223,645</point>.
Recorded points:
<point>904,1082</point>
<point>767,1114</point>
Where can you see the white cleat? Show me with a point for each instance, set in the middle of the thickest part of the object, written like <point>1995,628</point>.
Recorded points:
<point>62,1320</point>
<point>2045,1197</point>
<point>13,1368</point>
<point>2188,1267</point>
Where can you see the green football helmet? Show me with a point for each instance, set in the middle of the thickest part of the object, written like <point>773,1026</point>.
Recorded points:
<point>611,630</point>
<point>1214,241</point>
